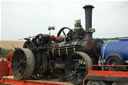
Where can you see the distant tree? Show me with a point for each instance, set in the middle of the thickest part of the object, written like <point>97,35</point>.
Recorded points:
<point>4,52</point>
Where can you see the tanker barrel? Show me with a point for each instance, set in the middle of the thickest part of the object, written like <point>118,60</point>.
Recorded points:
<point>88,16</point>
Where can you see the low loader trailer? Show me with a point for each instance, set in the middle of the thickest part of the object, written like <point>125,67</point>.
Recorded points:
<point>6,77</point>
<point>98,75</point>
<point>10,81</point>
<point>105,75</point>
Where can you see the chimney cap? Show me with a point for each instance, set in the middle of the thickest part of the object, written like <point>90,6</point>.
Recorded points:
<point>88,6</point>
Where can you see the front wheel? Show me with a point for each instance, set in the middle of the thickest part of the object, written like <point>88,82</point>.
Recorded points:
<point>22,63</point>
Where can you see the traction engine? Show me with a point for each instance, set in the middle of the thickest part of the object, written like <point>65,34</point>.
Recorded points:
<point>69,55</point>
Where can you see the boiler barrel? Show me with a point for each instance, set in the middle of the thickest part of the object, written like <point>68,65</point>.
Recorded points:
<point>115,46</point>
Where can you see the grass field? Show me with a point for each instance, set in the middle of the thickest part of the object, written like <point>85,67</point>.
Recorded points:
<point>8,47</point>
<point>11,44</point>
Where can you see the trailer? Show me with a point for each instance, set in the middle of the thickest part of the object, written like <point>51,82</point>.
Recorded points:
<point>6,78</point>
<point>10,81</point>
<point>104,75</point>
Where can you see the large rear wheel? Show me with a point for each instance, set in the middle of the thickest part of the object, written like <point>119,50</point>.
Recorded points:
<point>22,63</point>
<point>77,67</point>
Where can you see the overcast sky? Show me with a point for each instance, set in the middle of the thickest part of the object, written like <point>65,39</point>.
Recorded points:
<point>22,18</point>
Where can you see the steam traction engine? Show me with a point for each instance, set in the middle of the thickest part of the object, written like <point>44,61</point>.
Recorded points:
<point>71,55</point>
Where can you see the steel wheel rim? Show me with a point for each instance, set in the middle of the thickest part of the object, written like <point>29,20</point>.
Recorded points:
<point>19,65</point>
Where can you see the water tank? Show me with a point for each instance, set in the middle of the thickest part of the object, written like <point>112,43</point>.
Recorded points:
<point>115,46</point>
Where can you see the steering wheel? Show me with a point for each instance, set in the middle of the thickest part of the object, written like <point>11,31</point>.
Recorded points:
<point>62,30</point>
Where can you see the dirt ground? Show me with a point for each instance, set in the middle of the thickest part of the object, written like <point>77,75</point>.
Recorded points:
<point>11,44</point>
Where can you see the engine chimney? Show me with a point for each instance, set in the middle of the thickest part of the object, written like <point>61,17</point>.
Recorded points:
<point>88,21</point>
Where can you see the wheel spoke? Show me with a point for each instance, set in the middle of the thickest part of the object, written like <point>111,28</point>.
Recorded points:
<point>24,60</point>
<point>22,70</point>
<point>17,70</point>
<point>15,64</point>
<point>23,57</point>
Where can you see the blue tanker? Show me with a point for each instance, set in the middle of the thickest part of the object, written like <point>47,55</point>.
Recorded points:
<point>115,51</point>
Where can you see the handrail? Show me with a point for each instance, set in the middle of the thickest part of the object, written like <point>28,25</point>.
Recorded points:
<point>110,66</point>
